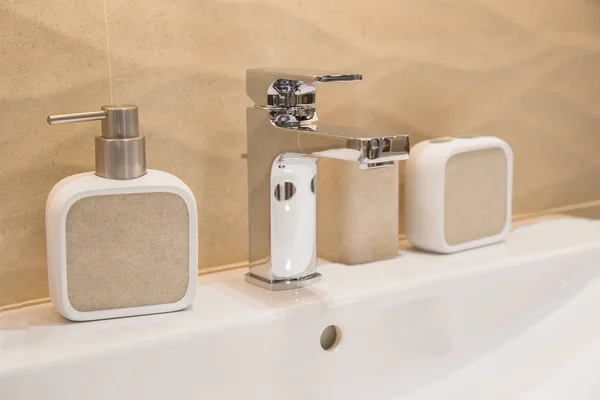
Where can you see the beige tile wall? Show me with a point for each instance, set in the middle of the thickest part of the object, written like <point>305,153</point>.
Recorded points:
<point>527,71</point>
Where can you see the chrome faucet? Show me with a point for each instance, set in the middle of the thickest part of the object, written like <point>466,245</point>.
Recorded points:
<point>285,141</point>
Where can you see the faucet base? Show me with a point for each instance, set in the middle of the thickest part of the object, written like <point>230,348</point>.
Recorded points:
<point>283,284</point>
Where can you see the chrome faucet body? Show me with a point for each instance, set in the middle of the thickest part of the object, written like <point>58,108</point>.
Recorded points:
<point>285,141</point>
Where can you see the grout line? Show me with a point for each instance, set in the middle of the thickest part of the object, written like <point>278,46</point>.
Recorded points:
<point>244,264</point>
<point>558,210</point>
<point>223,267</point>
<point>24,304</point>
<point>108,50</point>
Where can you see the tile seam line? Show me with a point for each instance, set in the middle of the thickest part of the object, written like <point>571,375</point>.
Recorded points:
<point>108,50</point>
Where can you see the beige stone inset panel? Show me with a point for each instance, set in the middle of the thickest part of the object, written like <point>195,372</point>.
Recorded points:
<point>54,60</point>
<point>475,201</point>
<point>127,251</point>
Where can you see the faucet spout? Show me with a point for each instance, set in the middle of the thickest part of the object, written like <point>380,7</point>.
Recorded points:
<point>285,141</point>
<point>353,144</point>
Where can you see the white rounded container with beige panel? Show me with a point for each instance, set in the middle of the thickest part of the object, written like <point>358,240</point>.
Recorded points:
<point>121,241</point>
<point>458,193</point>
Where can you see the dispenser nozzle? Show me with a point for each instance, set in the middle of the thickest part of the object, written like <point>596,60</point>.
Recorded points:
<point>79,117</point>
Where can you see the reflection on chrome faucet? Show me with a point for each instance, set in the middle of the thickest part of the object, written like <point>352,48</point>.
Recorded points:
<point>285,141</point>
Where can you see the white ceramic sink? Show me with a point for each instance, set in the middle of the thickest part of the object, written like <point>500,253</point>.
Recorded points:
<point>518,320</point>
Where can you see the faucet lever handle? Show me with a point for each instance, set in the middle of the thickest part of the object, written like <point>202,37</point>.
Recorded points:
<point>287,82</point>
<point>338,78</point>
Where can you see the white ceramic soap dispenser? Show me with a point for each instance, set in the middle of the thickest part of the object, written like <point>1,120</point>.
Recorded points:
<point>123,240</point>
<point>458,193</point>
